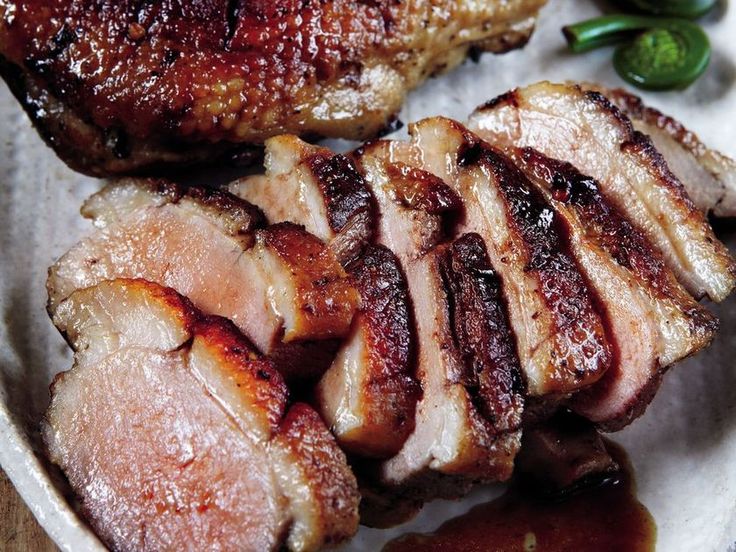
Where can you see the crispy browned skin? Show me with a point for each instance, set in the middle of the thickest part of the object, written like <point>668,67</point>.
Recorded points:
<point>651,320</point>
<point>203,450</point>
<point>584,128</point>
<point>453,443</point>
<point>369,394</point>
<point>708,176</point>
<point>492,373</point>
<point>315,187</point>
<point>560,335</point>
<point>141,84</point>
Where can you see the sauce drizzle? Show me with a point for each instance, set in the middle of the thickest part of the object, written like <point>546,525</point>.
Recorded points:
<point>608,518</point>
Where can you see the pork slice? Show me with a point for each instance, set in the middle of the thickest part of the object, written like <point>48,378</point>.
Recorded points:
<point>315,187</point>
<point>582,127</point>
<point>369,394</point>
<point>452,435</point>
<point>560,336</point>
<point>709,177</point>
<point>174,432</point>
<point>279,284</point>
<point>652,321</point>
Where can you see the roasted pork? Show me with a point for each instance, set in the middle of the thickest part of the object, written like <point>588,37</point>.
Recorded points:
<point>709,177</point>
<point>582,127</point>
<point>279,284</point>
<point>369,394</point>
<point>560,336</point>
<point>117,87</point>
<point>651,320</point>
<point>314,187</point>
<point>174,432</point>
<point>467,421</point>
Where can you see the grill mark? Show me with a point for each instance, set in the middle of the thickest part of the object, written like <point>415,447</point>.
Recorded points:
<point>616,234</point>
<point>392,390</point>
<point>482,333</point>
<point>580,334</point>
<point>343,188</point>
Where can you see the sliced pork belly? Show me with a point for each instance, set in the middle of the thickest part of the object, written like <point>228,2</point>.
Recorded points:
<point>652,321</point>
<point>560,335</point>
<point>277,283</point>
<point>468,418</point>
<point>709,177</point>
<point>369,394</point>
<point>314,187</point>
<point>584,128</point>
<point>175,434</point>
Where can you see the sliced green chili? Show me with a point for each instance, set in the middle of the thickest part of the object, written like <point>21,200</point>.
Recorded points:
<point>660,53</point>
<point>690,9</point>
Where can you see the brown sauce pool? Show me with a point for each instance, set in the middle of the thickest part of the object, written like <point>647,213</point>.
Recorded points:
<point>608,518</point>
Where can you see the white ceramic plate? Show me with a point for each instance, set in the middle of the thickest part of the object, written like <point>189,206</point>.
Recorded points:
<point>683,449</point>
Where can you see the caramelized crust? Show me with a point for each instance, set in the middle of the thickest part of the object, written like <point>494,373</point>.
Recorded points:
<point>369,394</point>
<point>179,76</point>
<point>203,450</point>
<point>651,320</point>
<point>314,187</point>
<point>323,301</point>
<point>585,129</point>
<point>492,373</point>
<point>560,336</point>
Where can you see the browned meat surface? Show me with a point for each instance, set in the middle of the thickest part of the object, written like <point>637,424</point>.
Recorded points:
<point>585,129</point>
<point>279,284</point>
<point>123,86</point>
<point>708,176</point>
<point>651,320</point>
<point>369,394</point>
<point>314,187</point>
<point>559,334</point>
<point>467,420</point>
<point>175,434</point>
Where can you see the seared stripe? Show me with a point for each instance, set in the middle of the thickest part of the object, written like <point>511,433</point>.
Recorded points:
<point>581,346</point>
<point>342,187</point>
<point>483,337</point>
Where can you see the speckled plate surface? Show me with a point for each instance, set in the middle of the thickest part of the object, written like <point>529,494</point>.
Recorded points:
<point>683,449</point>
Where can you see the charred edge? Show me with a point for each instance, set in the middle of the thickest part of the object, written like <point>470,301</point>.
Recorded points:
<point>510,98</point>
<point>492,374</point>
<point>384,293</point>
<point>60,42</point>
<point>564,289</point>
<point>219,200</point>
<point>420,190</point>
<point>606,105</point>
<point>628,247</point>
<point>343,188</point>
<point>641,145</point>
<point>231,21</point>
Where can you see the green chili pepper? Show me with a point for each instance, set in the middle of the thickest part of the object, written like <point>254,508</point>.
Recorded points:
<point>690,9</point>
<point>664,53</point>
